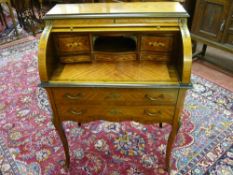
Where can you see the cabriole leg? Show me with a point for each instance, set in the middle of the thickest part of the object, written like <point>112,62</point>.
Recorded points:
<point>170,142</point>
<point>64,141</point>
<point>59,128</point>
<point>175,127</point>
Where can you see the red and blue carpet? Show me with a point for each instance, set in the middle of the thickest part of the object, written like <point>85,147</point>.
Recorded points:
<point>29,143</point>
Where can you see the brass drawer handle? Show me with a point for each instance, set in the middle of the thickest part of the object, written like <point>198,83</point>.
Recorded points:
<point>71,97</point>
<point>153,114</point>
<point>161,96</point>
<point>76,113</point>
<point>156,44</point>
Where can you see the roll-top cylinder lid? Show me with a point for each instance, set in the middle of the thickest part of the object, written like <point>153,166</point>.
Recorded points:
<point>108,10</point>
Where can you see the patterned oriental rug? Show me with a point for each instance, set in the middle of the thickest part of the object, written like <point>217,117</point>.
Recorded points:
<point>9,34</point>
<point>29,143</point>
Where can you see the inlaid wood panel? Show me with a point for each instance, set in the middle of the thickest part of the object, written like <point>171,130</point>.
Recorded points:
<point>116,113</point>
<point>72,43</point>
<point>156,43</point>
<point>116,96</point>
<point>130,72</point>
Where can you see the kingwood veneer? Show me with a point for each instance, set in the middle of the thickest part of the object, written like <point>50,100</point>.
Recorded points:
<point>116,62</point>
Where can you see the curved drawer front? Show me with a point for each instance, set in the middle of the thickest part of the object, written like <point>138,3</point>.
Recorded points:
<point>102,96</point>
<point>115,57</point>
<point>83,113</point>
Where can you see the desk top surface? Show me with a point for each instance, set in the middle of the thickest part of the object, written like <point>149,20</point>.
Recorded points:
<point>131,9</point>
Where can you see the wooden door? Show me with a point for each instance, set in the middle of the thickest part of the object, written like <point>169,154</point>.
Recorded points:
<point>210,18</point>
<point>228,33</point>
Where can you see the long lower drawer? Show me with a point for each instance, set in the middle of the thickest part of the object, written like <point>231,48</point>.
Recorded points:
<point>146,114</point>
<point>114,96</point>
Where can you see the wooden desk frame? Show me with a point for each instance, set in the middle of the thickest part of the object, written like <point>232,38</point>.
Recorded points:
<point>140,18</point>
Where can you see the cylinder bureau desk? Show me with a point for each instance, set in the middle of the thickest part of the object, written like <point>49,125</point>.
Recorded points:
<point>116,62</point>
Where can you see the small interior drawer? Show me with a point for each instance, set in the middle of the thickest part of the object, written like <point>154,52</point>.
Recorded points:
<point>72,43</point>
<point>78,58</point>
<point>156,43</point>
<point>163,57</point>
<point>115,57</point>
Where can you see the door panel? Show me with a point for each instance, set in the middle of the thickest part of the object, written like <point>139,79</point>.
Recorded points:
<point>209,19</point>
